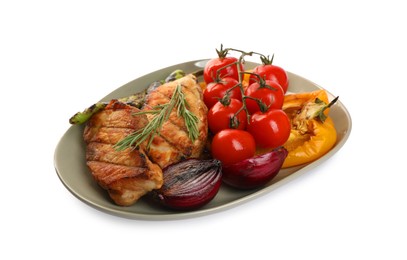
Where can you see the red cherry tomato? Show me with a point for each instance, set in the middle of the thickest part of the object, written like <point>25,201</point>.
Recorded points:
<point>270,93</point>
<point>213,65</point>
<point>216,90</point>
<point>221,116</point>
<point>268,71</point>
<point>270,129</point>
<point>232,146</point>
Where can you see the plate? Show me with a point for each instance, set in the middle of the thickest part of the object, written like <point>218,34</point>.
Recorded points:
<point>70,164</point>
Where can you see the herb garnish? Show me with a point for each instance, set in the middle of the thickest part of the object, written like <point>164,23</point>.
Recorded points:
<point>162,113</point>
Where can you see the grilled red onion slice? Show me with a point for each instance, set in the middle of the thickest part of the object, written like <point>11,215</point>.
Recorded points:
<point>189,184</point>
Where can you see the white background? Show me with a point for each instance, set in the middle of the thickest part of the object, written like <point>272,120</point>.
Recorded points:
<point>58,57</point>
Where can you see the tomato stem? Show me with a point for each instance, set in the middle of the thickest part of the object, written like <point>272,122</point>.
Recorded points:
<point>225,100</point>
<point>240,73</point>
<point>232,88</point>
<point>263,107</point>
<point>241,86</point>
<point>217,78</point>
<point>258,77</point>
<point>222,53</point>
<point>266,60</point>
<point>261,81</point>
<point>234,121</point>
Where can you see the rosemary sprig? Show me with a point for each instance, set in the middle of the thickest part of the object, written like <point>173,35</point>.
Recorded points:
<point>191,120</point>
<point>162,114</point>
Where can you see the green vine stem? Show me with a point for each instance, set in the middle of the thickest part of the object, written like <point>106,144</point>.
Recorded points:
<point>261,81</point>
<point>266,60</point>
<point>263,107</point>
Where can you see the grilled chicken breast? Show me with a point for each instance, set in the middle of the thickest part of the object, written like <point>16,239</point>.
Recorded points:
<point>173,143</point>
<point>126,175</point>
<point>131,173</point>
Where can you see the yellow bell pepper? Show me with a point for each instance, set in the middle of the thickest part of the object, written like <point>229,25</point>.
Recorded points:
<point>313,132</point>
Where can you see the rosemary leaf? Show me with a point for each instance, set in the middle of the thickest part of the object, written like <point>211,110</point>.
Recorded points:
<point>191,120</point>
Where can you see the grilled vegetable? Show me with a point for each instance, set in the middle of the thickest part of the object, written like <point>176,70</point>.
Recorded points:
<point>136,100</point>
<point>176,74</point>
<point>313,133</point>
<point>256,171</point>
<point>82,117</point>
<point>189,184</point>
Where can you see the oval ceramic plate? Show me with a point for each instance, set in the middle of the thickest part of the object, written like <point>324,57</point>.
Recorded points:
<point>71,168</point>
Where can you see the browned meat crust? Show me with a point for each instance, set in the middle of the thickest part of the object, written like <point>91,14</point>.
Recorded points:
<point>126,175</point>
<point>129,174</point>
<point>173,143</point>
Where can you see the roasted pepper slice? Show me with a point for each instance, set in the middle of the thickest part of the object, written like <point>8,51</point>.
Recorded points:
<point>313,132</point>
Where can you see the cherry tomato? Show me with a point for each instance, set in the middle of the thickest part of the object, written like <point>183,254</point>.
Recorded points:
<point>270,93</point>
<point>214,64</point>
<point>220,116</point>
<point>232,146</point>
<point>270,129</point>
<point>268,71</point>
<point>216,90</point>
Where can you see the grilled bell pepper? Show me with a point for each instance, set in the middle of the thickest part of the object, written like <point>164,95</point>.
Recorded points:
<point>313,132</point>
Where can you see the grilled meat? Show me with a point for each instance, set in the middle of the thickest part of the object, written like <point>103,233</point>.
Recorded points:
<point>126,175</point>
<point>131,173</point>
<point>173,143</point>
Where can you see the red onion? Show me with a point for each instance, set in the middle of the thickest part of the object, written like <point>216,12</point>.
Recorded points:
<point>256,171</point>
<point>189,184</point>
